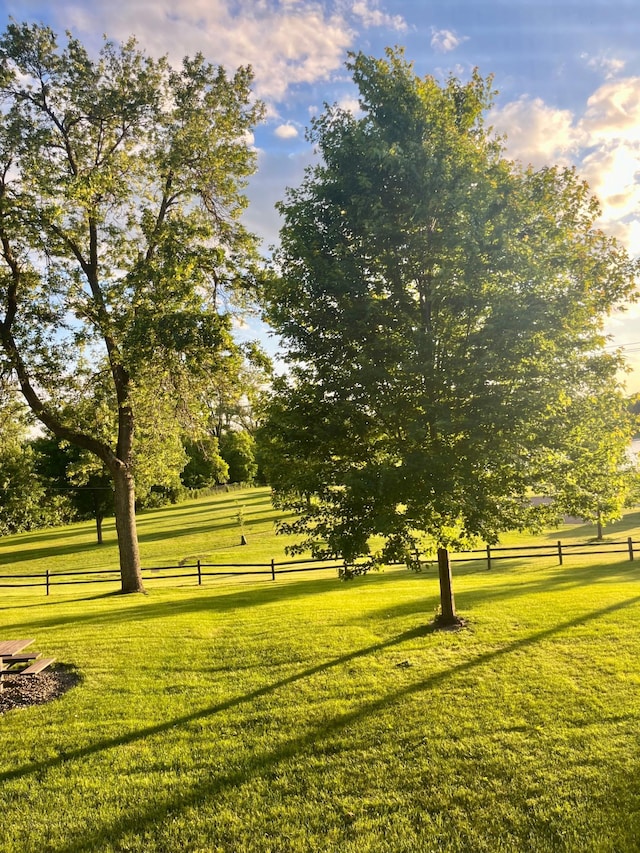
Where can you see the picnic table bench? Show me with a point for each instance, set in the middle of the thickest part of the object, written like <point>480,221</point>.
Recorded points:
<point>15,661</point>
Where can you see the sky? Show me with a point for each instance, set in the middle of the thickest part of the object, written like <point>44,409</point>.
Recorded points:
<point>567,74</point>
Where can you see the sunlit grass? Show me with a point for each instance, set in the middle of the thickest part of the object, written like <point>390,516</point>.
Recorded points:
<point>314,715</point>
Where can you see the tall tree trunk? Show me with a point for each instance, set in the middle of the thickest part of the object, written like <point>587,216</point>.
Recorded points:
<point>599,523</point>
<point>125,512</point>
<point>99,529</point>
<point>447,602</point>
<point>98,517</point>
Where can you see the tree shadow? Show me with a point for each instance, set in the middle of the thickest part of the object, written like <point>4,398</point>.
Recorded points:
<point>214,600</point>
<point>139,820</point>
<point>587,530</point>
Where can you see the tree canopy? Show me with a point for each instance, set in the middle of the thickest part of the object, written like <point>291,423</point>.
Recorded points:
<point>439,305</point>
<point>122,250</point>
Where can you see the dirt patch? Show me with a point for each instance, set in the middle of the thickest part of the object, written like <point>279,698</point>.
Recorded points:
<point>21,691</point>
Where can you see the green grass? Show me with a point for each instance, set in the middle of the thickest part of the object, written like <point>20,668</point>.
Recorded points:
<point>313,715</point>
<point>205,529</point>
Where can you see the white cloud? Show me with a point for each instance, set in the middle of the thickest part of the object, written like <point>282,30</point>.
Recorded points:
<point>286,43</point>
<point>603,142</point>
<point>536,133</point>
<point>286,131</point>
<point>350,105</point>
<point>445,41</point>
<point>371,16</point>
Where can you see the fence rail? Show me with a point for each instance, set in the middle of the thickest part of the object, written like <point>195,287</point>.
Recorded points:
<point>200,570</point>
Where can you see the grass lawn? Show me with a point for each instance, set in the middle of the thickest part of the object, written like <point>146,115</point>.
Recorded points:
<point>313,715</point>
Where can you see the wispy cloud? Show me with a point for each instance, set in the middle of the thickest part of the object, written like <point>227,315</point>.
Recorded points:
<point>445,41</point>
<point>370,14</point>
<point>608,65</point>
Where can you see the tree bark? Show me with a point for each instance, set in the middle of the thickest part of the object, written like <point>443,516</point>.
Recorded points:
<point>125,513</point>
<point>447,602</point>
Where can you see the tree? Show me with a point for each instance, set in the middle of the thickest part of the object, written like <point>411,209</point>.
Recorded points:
<point>205,466</point>
<point>595,476</point>
<point>67,471</point>
<point>121,186</point>
<point>439,304</point>
<point>237,448</point>
<point>23,499</point>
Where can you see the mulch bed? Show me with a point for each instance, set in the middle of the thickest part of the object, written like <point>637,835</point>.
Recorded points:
<point>21,691</point>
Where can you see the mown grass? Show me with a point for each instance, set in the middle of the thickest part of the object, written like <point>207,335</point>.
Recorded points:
<point>314,715</point>
<point>206,529</point>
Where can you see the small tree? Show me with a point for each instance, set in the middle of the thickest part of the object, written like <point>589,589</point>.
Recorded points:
<point>120,243</point>
<point>595,476</point>
<point>439,304</point>
<point>62,470</point>
<point>24,503</point>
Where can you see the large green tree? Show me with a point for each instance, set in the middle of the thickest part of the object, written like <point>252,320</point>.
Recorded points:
<point>439,304</point>
<point>121,187</point>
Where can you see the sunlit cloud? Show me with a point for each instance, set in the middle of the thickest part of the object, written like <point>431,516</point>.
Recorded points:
<point>537,134</point>
<point>603,143</point>
<point>286,131</point>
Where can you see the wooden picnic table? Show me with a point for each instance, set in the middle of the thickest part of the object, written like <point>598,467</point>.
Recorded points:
<point>9,648</point>
<point>11,654</point>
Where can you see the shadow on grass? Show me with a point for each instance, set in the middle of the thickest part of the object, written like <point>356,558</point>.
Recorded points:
<point>219,599</point>
<point>554,579</point>
<point>206,598</point>
<point>617,529</point>
<point>140,820</point>
<point>558,579</point>
<point>210,518</point>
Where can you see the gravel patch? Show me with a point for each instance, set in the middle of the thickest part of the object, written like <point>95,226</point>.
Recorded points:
<point>21,691</point>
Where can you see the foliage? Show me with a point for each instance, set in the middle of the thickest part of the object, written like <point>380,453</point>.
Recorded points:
<point>122,251</point>
<point>595,475</point>
<point>63,470</point>
<point>233,397</point>
<point>237,448</point>
<point>205,466</point>
<point>439,304</point>
<point>24,504</point>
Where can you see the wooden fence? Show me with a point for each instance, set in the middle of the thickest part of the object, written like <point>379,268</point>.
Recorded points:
<point>200,571</point>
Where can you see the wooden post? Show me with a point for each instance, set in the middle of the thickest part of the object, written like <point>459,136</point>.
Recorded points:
<point>446,588</point>
<point>199,574</point>
<point>273,569</point>
<point>559,552</point>
<point>47,580</point>
<point>489,557</point>
<point>630,544</point>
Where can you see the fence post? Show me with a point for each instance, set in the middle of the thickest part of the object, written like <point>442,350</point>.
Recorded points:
<point>447,603</point>
<point>199,574</point>
<point>630,544</point>
<point>559,552</point>
<point>273,569</point>
<point>47,581</point>
<point>489,557</point>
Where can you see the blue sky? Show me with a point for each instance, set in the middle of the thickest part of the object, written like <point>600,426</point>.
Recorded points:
<point>567,71</point>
